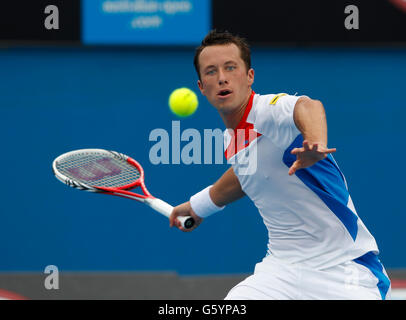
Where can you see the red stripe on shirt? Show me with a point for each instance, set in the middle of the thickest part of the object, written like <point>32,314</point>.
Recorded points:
<point>241,137</point>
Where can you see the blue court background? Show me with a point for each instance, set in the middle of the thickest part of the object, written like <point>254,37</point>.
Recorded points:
<point>54,100</point>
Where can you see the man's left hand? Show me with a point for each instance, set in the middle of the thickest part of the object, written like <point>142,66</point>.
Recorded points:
<point>309,155</point>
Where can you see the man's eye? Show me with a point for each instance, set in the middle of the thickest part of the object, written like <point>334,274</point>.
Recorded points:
<point>230,68</point>
<point>210,72</point>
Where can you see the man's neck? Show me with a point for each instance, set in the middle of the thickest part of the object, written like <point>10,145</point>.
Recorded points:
<point>232,119</point>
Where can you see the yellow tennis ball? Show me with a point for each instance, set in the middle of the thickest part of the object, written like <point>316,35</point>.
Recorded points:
<point>183,102</point>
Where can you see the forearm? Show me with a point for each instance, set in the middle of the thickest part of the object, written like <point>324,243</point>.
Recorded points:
<point>227,189</point>
<point>310,119</point>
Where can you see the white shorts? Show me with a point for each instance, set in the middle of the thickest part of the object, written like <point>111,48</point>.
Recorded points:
<point>361,279</point>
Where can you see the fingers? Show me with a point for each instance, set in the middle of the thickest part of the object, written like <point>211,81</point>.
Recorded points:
<point>183,210</point>
<point>295,166</point>
<point>332,150</point>
<point>174,222</point>
<point>306,145</point>
<point>308,155</point>
<point>297,150</point>
<point>172,218</point>
<point>313,148</point>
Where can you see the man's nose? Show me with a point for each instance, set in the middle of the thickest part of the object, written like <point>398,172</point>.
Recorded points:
<point>222,78</point>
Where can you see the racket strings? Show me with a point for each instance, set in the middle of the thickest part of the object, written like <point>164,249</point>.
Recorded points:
<point>98,170</point>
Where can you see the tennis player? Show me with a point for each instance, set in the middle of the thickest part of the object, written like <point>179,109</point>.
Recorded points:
<point>318,246</point>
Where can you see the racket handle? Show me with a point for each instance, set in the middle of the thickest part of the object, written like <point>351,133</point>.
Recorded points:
<point>166,209</point>
<point>187,222</point>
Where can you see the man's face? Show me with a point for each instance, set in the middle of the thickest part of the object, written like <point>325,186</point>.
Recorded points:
<point>224,79</point>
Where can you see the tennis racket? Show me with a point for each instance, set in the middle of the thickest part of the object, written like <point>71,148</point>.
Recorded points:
<point>109,172</point>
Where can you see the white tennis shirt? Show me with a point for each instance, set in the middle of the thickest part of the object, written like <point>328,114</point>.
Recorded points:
<point>310,216</point>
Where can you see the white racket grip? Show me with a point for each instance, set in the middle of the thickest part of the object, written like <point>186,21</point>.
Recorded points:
<point>166,209</point>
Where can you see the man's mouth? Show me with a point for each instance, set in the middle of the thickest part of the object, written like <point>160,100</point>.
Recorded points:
<point>224,93</point>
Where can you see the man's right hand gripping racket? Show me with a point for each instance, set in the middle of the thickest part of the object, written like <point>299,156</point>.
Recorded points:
<point>109,172</point>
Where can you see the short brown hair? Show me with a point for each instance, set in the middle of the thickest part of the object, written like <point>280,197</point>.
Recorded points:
<point>215,37</point>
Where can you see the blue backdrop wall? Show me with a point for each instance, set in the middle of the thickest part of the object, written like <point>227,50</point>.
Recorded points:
<point>58,99</point>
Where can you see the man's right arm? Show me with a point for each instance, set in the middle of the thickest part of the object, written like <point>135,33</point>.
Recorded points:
<point>226,190</point>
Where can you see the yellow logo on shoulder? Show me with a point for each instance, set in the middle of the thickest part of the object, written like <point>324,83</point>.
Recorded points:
<point>273,101</point>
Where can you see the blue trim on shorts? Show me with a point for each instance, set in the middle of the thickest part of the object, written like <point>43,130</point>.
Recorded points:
<point>326,180</point>
<point>371,261</point>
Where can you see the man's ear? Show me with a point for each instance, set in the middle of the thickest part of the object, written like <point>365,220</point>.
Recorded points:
<point>251,75</point>
<point>200,85</point>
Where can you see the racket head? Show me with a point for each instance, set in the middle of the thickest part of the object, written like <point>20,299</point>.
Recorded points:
<point>97,169</point>
<point>111,172</point>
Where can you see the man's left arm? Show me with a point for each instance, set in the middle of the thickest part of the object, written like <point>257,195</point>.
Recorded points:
<point>310,119</point>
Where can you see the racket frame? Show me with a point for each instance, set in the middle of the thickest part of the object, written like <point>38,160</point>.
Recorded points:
<point>123,191</point>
